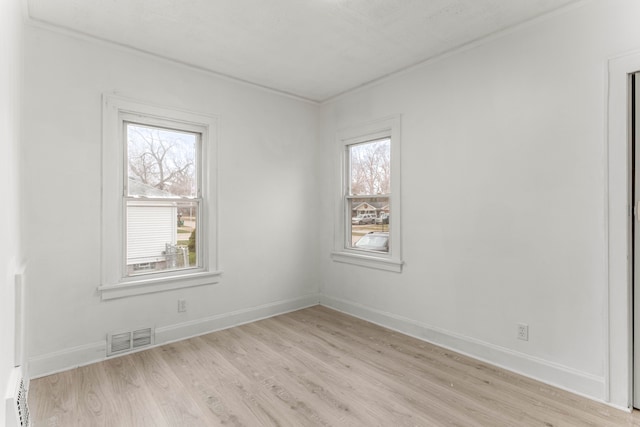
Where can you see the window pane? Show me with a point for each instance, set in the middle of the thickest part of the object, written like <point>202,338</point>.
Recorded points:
<point>161,236</point>
<point>161,162</point>
<point>370,168</point>
<point>370,218</point>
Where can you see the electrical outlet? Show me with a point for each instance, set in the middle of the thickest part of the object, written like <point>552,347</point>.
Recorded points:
<point>182,305</point>
<point>523,331</point>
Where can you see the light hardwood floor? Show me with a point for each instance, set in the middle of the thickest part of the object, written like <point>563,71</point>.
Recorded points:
<point>313,367</point>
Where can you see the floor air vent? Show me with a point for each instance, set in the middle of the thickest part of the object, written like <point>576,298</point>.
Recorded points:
<point>122,342</point>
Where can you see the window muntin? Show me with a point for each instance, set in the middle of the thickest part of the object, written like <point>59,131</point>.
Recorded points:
<point>367,195</point>
<point>160,198</point>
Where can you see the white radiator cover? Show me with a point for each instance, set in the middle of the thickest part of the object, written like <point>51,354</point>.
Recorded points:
<point>17,411</point>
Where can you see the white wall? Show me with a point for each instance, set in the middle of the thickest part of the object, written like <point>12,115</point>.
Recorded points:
<point>267,180</point>
<point>10,69</point>
<point>503,186</point>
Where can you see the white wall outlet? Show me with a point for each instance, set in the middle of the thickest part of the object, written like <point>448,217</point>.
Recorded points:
<point>523,331</point>
<point>182,305</point>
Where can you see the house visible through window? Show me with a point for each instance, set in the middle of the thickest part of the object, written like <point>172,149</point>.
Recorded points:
<point>161,198</point>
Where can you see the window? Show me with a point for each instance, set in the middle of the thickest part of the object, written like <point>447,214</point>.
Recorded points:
<point>367,195</point>
<point>159,199</point>
<point>368,231</point>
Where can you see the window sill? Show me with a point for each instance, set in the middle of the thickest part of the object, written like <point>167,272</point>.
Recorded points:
<point>152,285</point>
<point>369,261</point>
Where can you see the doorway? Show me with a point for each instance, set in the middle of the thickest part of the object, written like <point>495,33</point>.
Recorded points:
<point>619,377</point>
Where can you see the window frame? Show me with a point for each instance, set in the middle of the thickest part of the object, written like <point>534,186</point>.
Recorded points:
<point>115,283</point>
<point>368,132</point>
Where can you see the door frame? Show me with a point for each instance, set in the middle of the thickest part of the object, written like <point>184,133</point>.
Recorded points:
<point>619,302</point>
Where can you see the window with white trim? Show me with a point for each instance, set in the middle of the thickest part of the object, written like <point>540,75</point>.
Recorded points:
<point>159,199</point>
<point>368,220</point>
<point>161,196</point>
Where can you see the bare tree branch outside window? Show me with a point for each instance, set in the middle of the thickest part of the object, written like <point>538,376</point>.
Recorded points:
<point>371,168</point>
<point>162,158</point>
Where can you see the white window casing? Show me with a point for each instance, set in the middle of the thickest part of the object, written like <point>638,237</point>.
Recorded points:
<point>344,251</point>
<point>118,220</point>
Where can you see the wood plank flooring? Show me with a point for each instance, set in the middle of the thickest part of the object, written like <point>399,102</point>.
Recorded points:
<point>313,367</point>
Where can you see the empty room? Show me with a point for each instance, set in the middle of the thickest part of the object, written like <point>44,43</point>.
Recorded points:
<point>319,212</point>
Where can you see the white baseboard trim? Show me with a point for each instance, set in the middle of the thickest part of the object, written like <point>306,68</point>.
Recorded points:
<point>69,358</point>
<point>63,360</point>
<point>575,381</point>
<point>181,331</point>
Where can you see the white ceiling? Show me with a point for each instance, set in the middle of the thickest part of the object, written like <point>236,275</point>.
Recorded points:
<point>315,49</point>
